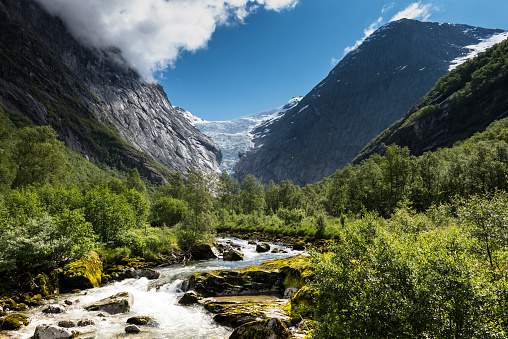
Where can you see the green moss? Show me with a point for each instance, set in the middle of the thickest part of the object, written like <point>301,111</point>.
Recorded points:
<point>302,304</point>
<point>82,274</point>
<point>15,321</point>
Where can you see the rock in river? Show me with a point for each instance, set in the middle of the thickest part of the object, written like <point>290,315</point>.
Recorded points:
<point>261,248</point>
<point>52,332</point>
<point>232,255</point>
<point>118,303</point>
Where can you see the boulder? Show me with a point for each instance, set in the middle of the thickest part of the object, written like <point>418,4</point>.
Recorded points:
<point>204,252</point>
<point>147,273</point>
<point>53,332</point>
<point>52,309</point>
<point>86,322</point>
<point>66,323</point>
<point>140,320</point>
<point>82,274</point>
<point>118,303</point>
<point>299,246</point>
<point>263,247</point>
<point>302,304</point>
<point>132,329</point>
<point>272,328</point>
<point>275,250</point>
<point>232,255</point>
<point>15,321</point>
<point>189,298</point>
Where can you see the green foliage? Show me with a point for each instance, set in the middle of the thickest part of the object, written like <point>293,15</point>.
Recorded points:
<point>412,281</point>
<point>251,195</point>
<point>7,165</point>
<point>108,212</point>
<point>487,221</point>
<point>39,157</point>
<point>198,224</point>
<point>167,211</point>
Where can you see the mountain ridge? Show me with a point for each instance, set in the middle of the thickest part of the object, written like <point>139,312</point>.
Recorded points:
<point>371,87</point>
<point>100,107</point>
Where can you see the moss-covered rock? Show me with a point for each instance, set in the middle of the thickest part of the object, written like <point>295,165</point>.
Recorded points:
<point>232,255</point>
<point>302,304</point>
<point>272,277</point>
<point>235,314</point>
<point>140,320</point>
<point>189,298</point>
<point>118,303</point>
<point>263,247</point>
<point>272,328</point>
<point>82,274</point>
<point>46,285</point>
<point>15,321</point>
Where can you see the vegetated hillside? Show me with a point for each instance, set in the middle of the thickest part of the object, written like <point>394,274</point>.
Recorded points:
<point>462,103</point>
<point>234,137</point>
<point>99,107</point>
<point>373,86</point>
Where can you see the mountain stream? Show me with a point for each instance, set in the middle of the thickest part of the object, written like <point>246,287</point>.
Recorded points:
<point>157,299</point>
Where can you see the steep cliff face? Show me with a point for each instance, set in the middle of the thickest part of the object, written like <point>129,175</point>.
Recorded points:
<point>100,107</point>
<point>463,102</point>
<point>373,86</point>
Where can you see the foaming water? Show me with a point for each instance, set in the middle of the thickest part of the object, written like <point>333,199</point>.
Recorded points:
<point>157,299</point>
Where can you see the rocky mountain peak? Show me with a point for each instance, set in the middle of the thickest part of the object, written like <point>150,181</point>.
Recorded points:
<point>370,88</point>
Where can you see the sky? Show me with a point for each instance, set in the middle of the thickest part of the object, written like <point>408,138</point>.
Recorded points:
<point>222,59</point>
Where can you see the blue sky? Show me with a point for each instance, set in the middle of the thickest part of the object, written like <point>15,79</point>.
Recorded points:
<point>222,59</point>
<point>273,56</point>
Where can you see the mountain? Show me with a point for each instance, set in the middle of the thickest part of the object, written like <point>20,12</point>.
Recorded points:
<point>370,88</point>
<point>234,137</point>
<point>463,102</point>
<point>99,106</point>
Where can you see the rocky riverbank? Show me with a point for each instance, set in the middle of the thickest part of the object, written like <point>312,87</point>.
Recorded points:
<point>257,294</point>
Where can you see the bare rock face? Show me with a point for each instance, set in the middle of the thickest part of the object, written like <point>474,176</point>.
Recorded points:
<point>372,87</point>
<point>100,107</point>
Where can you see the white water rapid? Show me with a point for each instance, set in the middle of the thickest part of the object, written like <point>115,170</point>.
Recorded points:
<point>157,299</point>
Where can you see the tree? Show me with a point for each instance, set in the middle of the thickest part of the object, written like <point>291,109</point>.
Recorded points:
<point>252,195</point>
<point>134,182</point>
<point>7,165</point>
<point>167,211</point>
<point>198,222</point>
<point>39,157</point>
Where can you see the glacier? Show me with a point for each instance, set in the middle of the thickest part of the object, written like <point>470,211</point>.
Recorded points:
<point>235,137</point>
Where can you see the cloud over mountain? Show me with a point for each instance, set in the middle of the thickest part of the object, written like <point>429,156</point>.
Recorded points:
<point>152,33</point>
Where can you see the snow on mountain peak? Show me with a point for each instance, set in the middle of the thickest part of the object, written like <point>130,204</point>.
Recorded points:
<point>474,50</point>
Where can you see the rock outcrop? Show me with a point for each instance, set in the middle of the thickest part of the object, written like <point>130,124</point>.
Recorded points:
<point>99,106</point>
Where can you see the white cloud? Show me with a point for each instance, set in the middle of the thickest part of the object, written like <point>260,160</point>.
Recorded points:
<point>334,61</point>
<point>152,33</point>
<point>387,7</point>
<point>416,10</point>
<point>367,32</point>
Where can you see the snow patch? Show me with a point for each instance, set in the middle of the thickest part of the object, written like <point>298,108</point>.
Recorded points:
<point>474,50</point>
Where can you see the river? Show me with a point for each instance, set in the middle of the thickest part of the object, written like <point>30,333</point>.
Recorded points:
<point>157,299</point>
